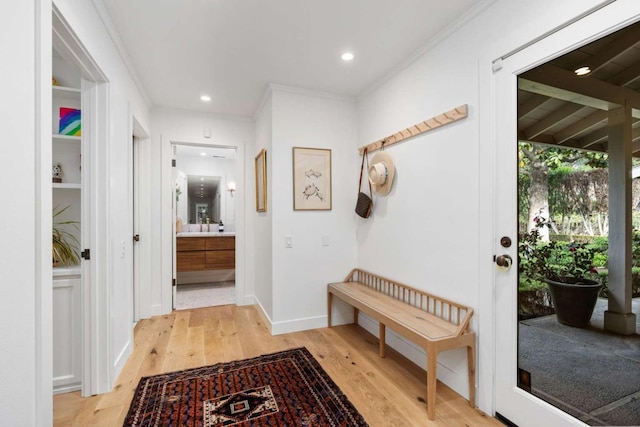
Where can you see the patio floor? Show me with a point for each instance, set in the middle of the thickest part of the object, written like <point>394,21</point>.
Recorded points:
<point>592,374</point>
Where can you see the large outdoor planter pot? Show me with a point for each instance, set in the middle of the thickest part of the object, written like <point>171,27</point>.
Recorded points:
<point>574,300</point>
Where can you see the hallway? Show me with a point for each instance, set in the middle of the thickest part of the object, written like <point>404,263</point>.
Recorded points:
<point>388,391</point>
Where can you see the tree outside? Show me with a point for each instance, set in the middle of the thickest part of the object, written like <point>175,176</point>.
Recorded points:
<point>567,190</point>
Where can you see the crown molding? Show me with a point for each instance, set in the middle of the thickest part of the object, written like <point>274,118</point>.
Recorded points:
<point>122,51</point>
<point>456,25</point>
<point>313,93</point>
<point>272,87</point>
<point>230,117</point>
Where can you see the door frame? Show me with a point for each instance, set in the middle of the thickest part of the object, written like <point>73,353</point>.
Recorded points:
<point>498,81</point>
<point>168,234</point>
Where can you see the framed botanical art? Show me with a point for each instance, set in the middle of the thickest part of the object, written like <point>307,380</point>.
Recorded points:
<point>311,179</point>
<point>261,181</point>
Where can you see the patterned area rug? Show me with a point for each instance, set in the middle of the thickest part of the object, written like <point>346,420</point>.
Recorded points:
<point>288,388</point>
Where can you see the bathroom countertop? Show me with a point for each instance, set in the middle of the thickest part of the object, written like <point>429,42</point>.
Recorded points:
<point>206,234</point>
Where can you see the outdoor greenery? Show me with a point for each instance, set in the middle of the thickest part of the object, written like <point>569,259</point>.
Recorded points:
<point>563,221</point>
<point>539,260</point>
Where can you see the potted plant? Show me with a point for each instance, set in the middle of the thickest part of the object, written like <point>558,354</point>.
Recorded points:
<point>64,246</point>
<point>568,271</point>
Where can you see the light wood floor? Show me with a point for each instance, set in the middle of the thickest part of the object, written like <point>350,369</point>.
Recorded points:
<point>387,392</point>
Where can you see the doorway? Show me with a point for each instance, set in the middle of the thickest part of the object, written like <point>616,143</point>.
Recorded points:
<point>205,224</point>
<point>518,396</point>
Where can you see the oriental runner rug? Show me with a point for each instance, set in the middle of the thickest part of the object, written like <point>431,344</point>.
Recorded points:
<point>288,388</point>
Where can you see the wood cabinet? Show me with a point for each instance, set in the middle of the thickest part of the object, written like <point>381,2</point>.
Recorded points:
<point>205,253</point>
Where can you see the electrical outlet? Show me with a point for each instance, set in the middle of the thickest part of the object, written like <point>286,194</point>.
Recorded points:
<point>288,241</point>
<point>325,240</point>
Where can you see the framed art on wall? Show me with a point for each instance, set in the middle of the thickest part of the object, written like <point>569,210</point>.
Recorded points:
<point>261,181</point>
<point>311,179</point>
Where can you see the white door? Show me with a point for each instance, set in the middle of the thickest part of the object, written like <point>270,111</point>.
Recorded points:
<point>512,402</point>
<point>174,270</point>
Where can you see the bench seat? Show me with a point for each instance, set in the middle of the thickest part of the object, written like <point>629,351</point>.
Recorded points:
<point>434,323</point>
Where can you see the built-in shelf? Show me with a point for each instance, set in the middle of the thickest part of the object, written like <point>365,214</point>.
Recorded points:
<point>66,92</point>
<point>67,185</point>
<point>66,138</point>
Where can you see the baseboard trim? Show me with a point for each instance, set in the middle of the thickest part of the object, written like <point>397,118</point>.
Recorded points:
<point>298,325</point>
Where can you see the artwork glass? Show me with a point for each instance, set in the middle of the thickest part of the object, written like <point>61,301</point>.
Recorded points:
<point>261,181</point>
<point>311,179</point>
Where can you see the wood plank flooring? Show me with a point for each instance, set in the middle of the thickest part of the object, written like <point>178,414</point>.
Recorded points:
<point>387,392</point>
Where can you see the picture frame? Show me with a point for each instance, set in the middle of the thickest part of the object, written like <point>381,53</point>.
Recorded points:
<point>261,181</point>
<point>311,179</point>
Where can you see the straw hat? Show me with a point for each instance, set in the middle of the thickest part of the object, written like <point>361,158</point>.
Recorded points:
<point>381,173</point>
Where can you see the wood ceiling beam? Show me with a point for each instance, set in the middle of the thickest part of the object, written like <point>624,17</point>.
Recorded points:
<point>546,139</point>
<point>617,47</point>
<point>534,102</point>
<point>573,130</point>
<point>552,119</point>
<point>601,137</point>
<point>628,75</point>
<point>556,82</point>
<point>596,137</point>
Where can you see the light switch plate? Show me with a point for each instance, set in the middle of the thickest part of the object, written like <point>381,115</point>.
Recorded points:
<point>288,241</point>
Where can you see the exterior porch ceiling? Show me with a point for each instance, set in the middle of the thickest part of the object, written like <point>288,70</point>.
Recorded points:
<point>557,107</point>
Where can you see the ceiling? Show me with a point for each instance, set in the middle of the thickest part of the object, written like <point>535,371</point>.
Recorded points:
<point>557,107</point>
<point>232,50</point>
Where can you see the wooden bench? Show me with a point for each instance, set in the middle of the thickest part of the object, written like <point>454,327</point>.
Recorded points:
<point>434,323</point>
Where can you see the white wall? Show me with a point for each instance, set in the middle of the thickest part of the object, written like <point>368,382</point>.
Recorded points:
<point>25,255</point>
<point>181,126</point>
<point>89,27</point>
<point>301,273</point>
<point>262,221</point>
<point>113,256</point>
<point>432,213</point>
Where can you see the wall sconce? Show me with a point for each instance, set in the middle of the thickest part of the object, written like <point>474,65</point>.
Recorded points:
<point>231,188</point>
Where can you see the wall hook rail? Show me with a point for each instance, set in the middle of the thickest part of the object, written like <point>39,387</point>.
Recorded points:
<point>435,122</point>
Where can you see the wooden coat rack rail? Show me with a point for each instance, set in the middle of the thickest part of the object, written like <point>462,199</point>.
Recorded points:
<point>422,127</point>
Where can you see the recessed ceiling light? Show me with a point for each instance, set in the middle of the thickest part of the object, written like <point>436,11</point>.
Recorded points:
<point>347,56</point>
<point>203,154</point>
<point>205,98</point>
<point>201,179</point>
<point>582,71</point>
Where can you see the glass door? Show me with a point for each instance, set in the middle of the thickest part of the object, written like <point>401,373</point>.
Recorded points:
<point>546,369</point>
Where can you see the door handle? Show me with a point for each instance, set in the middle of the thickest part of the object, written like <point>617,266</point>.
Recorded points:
<point>504,262</point>
<point>136,238</point>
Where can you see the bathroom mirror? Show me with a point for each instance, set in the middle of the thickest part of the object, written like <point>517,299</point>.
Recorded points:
<point>203,198</point>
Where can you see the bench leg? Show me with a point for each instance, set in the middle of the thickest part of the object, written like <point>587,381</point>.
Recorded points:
<point>329,308</point>
<point>471,350</point>
<point>383,335</point>
<point>355,315</point>
<point>432,361</point>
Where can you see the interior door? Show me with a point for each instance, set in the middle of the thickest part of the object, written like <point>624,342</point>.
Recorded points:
<point>512,401</point>
<point>174,274</point>
<point>136,227</point>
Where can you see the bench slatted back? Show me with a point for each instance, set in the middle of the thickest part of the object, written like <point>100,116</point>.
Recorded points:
<point>450,311</point>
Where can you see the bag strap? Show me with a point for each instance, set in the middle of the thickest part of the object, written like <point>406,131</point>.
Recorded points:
<point>364,156</point>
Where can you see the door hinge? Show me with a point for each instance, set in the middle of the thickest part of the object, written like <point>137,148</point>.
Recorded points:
<point>86,254</point>
<point>173,163</point>
<point>174,282</point>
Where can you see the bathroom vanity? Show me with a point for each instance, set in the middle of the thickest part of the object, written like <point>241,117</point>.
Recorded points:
<point>200,251</point>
